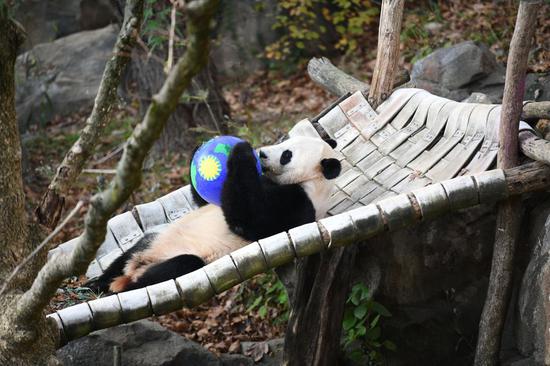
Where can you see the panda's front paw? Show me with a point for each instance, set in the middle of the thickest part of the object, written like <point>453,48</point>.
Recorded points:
<point>241,155</point>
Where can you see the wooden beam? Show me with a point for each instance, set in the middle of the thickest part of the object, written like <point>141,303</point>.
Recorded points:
<point>387,55</point>
<point>508,215</point>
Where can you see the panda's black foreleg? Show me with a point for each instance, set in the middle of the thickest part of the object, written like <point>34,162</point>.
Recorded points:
<point>167,270</point>
<point>243,196</point>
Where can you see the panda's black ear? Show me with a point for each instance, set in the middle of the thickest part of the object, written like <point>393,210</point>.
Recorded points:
<point>331,168</point>
<point>331,142</point>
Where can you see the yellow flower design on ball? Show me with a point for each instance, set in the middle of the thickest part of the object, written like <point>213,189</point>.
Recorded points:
<point>210,168</point>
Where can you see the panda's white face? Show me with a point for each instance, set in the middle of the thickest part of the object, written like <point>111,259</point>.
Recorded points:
<point>298,160</point>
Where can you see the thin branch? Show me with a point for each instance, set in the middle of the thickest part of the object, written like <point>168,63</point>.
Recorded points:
<point>128,176</point>
<point>170,59</point>
<point>44,242</point>
<point>51,206</point>
<point>509,212</point>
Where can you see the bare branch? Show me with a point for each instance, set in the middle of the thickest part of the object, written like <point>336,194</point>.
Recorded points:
<point>170,59</point>
<point>51,206</point>
<point>508,214</point>
<point>536,110</point>
<point>128,176</point>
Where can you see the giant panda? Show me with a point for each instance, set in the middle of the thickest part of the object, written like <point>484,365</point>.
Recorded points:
<point>294,189</point>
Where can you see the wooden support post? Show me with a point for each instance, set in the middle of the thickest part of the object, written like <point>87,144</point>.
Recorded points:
<point>323,281</point>
<point>387,55</point>
<point>508,215</point>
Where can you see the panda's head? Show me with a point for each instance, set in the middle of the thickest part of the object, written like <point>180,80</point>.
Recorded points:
<point>300,159</point>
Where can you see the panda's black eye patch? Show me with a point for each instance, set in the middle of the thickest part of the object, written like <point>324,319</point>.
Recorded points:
<point>286,156</point>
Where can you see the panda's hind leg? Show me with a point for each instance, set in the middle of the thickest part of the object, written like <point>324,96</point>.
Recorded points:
<point>116,269</point>
<point>167,270</point>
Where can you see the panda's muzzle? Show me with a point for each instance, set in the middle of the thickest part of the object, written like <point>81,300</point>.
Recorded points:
<point>263,163</point>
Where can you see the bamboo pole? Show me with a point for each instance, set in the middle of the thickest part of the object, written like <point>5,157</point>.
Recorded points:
<point>334,233</point>
<point>508,214</point>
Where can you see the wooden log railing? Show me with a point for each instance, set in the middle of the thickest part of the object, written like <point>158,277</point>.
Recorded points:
<point>333,232</point>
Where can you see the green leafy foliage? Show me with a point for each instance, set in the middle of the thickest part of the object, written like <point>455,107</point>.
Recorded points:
<point>305,26</point>
<point>267,296</point>
<point>362,327</point>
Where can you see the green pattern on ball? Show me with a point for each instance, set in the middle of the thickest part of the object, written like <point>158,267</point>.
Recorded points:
<point>223,149</point>
<point>193,174</point>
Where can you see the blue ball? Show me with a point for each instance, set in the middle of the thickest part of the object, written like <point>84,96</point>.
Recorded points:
<point>209,167</point>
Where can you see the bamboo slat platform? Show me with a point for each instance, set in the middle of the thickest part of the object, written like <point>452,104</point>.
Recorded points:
<point>410,143</point>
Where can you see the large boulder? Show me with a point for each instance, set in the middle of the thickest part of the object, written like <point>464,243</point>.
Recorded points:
<point>457,66</point>
<point>433,278</point>
<point>455,72</point>
<point>143,343</point>
<point>63,76</point>
<point>244,31</point>
<point>47,20</point>
<point>146,343</point>
<point>533,307</point>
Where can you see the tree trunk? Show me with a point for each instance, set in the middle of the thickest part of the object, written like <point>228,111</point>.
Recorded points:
<point>313,332</point>
<point>209,114</point>
<point>15,238</point>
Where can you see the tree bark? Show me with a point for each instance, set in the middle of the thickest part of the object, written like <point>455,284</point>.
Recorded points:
<point>15,238</point>
<point>536,110</point>
<point>509,213</point>
<point>534,147</point>
<point>13,219</point>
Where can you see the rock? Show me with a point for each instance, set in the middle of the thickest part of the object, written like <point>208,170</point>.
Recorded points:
<point>143,343</point>
<point>478,98</point>
<point>96,14</point>
<point>533,319</point>
<point>47,20</point>
<point>456,66</point>
<point>433,27</point>
<point>537,86</point>
<point>63,76</point>
<point>433,279</point>
<point>245,30</point>
<point>146,343</point>
<point>235,360</point>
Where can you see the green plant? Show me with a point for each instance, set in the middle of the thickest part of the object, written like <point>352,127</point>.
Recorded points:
<point>267,295</point>
<point>362,339</point>
<point>306,25</point>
